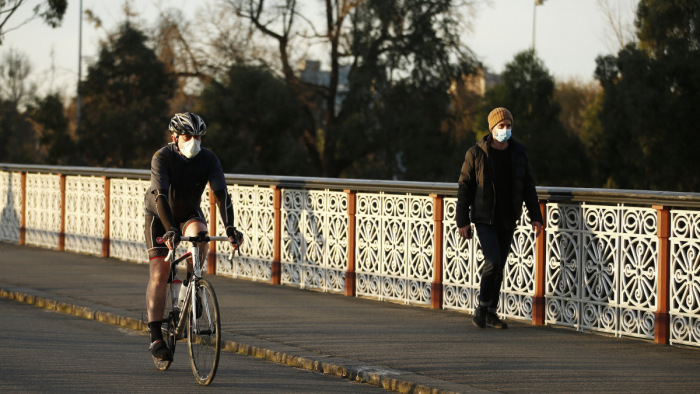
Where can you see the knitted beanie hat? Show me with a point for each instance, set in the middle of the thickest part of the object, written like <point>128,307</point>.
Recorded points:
<point>497,115</point>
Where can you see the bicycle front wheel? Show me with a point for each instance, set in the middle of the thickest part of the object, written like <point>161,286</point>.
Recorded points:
<point>204,333</point>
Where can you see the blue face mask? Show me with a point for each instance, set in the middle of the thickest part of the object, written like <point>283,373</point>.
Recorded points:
<point>502,135</point>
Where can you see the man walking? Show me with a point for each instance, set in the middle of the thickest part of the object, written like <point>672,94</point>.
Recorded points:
<point>494,182</point>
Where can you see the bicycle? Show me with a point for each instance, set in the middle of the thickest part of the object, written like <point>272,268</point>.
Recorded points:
<point>195,317</point>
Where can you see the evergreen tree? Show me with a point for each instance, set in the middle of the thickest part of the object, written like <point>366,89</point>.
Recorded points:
<point>49,118</point>
<point>527,90</point>
<point>253,123</point>
<point>395,118</point>
<point>125,103</point>
<point>649,109</point>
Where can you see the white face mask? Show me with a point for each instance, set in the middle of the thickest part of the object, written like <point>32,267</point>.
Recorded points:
<point>190,148</point>
<point>502,135</point>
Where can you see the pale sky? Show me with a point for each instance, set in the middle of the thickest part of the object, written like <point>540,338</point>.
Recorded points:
<point>569,35</point>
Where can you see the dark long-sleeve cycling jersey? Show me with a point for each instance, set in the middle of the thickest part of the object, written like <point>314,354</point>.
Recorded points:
<point>177,184</point>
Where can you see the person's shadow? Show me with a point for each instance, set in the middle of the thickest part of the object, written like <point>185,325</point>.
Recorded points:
<point>9,219</point>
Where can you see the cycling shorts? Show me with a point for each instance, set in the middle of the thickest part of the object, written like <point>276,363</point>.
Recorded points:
<point>154,232</point>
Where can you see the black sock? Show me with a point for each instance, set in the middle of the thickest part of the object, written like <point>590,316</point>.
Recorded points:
<point>155,330</point>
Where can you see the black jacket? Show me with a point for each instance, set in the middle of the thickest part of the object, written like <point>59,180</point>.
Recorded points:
<point>476,196</point>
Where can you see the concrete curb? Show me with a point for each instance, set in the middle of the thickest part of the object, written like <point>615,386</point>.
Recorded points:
<point>389,379</point>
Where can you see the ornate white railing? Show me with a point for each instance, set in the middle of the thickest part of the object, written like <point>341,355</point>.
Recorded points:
<point>685,277</point>
<point>395,247</point>
<point>621,262</point>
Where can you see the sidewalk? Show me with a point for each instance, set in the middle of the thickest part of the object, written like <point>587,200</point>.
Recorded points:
<point>404,348</point>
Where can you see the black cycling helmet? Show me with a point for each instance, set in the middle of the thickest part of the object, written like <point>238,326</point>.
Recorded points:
<point>187,123</point>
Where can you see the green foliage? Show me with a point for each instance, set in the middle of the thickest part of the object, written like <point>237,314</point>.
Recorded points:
<point>557,157</point>
<point>253,124</point>
<point>580,104</point>
<point>668,27</point>
<point>58,147</point>
<point>125,103</point>
<point>651,93</point>
<point>17,136</point>
<point>407,53</point>
<point>51,11</point>
<point>591,134</point>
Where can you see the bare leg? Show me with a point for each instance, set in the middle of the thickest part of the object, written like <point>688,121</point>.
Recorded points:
<point>155,293</point>
<point>191,231</point>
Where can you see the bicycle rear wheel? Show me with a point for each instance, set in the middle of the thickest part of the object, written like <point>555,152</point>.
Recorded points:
<point>168,328</point>
<point>204,333</point>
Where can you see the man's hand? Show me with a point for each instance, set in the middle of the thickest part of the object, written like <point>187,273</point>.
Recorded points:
<point>234,236</point>
<point>172,238</point>
<point>466,231</point>
<point>537,228</point>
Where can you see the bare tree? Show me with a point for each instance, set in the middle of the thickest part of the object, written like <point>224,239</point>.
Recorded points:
<point>51,11</point>
<point>283,23</point>
<point>619,15</point>
<point>14,71</point>
<point>201,48</point>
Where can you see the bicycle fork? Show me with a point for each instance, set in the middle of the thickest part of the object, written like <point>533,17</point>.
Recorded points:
<point>191,303</point>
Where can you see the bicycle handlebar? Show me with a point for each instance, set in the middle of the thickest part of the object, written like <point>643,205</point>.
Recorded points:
<point>202,238</point>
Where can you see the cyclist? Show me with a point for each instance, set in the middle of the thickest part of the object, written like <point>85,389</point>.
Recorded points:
<point>179,173</point>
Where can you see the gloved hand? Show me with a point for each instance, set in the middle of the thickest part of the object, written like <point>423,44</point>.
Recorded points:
<point>234,236</point>
<point>172,238</point>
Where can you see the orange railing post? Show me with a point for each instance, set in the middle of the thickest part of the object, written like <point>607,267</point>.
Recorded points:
<point>539,304</point>
<point>662,317</point>
<point>105,236</point>
<point>62,231</point>
<point>350,272</point>
<point>23,216</point>
<point>276,266</point>
<point>436,285</point>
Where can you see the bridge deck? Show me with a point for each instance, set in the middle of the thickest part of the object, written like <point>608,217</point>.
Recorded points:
<point>366,340</point>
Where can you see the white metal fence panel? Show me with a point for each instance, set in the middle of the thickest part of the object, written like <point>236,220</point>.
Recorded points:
<point>126,220</point>
<point>254,217</point>
<point>601,268</point>
<point>462,264</point>
<point>43,210</point>
<point>314,239</point>
<point>685,277</point>
<point>394,247</point>
<point>85,214</point>
<point>10,205</point>
<point>638,274</point>
<point>462,260</point>
<point>563,264</point>
<point>519,273</point>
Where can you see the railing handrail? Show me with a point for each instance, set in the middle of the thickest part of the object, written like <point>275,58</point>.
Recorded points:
<point>551,193</point>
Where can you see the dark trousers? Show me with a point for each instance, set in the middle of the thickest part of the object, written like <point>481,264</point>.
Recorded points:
<point>495,244</point>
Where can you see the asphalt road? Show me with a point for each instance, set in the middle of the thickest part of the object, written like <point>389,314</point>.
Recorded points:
<point>47,351</point>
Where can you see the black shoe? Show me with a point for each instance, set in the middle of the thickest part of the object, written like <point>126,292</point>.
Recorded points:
<point>493,321</point>
<point>159,350</point>
<point>479,318</point>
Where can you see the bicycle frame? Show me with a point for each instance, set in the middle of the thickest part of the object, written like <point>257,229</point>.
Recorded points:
<point>196,276</point>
